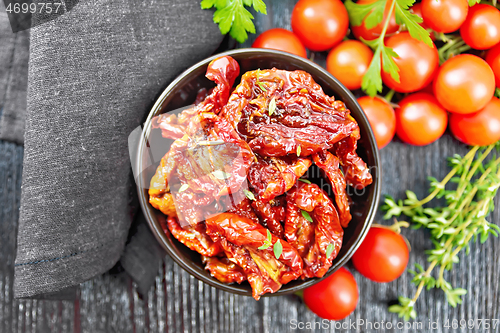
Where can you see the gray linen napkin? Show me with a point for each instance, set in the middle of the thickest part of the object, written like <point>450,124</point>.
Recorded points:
<point>94,72</point>
<point>14,53</point>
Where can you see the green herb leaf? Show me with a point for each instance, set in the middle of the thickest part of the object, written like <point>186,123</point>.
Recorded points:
<point>210,143</point>
<point>475,180</point>
<point>305,180</point>
<point>372,14</point>
<point>299,150</point>
<point>473,2</point>
<point>207,4</point>
<point>264,246</point>
<point>267,242</point>
<point>329,250</point>
<point>277,249</point>
<point>306,215</point>
<point>233,17</point>
<point>372,80</point>
<point>383,58</point>
<point>260,84</point>
<point>183,188</point>
<point>219,174</point>
<point>272,106</point>
<point>249,195</point>
<point>412,21</point>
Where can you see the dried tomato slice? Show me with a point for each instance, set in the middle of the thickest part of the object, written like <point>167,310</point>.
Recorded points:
<point>280,112</point>
<point>272,214</point>
<point>241,238</point>
<point>223,269</point>
<point>271,177</point>
<point>356,171</point>
<point>330,165</point>
<point>319,249</point>
<point>195,237</point>
<point>223,71</point>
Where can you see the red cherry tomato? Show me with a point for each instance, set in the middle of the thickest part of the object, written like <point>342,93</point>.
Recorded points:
<point>320,24</point>
<point>348,62</point>
<point>493,59</point>
<point>417,10</point>
<point>464,84</point>
<point>481,29</point>
<point>417,63</point>
<point>362,31</point>
<point>333,298</point>
<point>381,117</point>
<point>444,15</point>
<point>281,39</point>
<point>420,119</point>
<point>383,255</point>
<point>479,129</point>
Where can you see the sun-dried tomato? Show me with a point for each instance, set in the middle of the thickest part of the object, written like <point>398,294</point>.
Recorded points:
<point>264,271</point>
<point>223,269</point>
<point>195,237</point>
<point>308,200</point>
<point>330,165</point>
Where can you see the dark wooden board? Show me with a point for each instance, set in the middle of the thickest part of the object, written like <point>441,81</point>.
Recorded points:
<point>180,303</point>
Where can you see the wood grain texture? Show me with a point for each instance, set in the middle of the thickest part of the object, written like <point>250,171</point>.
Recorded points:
<point>179,303</point>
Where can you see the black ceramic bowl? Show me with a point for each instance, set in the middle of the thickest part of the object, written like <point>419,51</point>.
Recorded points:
<point>182,92</point>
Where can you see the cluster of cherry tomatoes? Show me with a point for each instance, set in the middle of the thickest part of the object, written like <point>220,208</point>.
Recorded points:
<point>459,91</point>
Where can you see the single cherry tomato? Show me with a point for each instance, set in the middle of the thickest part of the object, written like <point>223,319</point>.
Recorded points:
<point>481,29</point>
<point>417,63</point>
<point>444,15</point>
<point>381,117</point>
<point>335,297</point>
<point>493,59</point>
<point>361,31</point>
<point>320,24</point>
<point>420,119</point>
<point>464,84</point>
<point>417,10</point>
<point>281,39</point>
<point>479,129</point>
<point>348,62</point>
<point>383,255</point>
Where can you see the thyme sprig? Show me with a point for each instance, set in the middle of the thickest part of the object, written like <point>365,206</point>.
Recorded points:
<point>454,225</point>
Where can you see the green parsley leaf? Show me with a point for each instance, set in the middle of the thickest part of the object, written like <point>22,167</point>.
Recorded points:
<point>329,250</point>
<point>299,150</point>
<point>383,58</point>
<point>305,180</point>
<point>272,106</point>
<point>372,81</point>
<point>207,4</point>
<point>372,13</point>
<point>412,21</point>
<point>233,17</point>
<point>249,195</point>
<point>277,249</point>
<point>388,63</point>
<point>183,188</point>
<point>306,215</point>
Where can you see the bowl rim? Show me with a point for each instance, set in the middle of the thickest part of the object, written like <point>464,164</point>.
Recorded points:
<point>196,271</point>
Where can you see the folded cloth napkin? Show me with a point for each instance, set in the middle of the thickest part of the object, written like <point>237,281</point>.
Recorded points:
<point>94,72</point>
<point>14,53</point>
